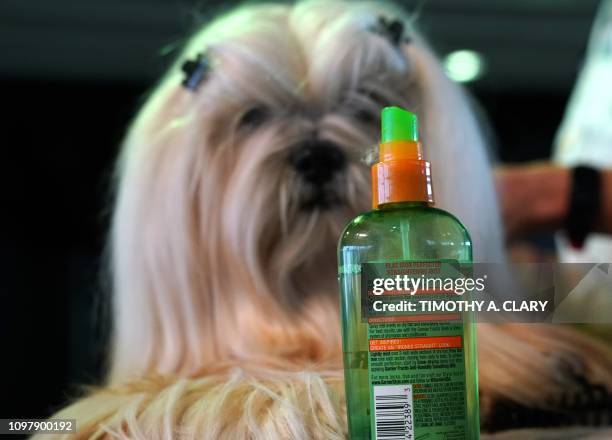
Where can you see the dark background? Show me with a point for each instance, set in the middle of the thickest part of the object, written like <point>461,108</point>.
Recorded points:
<point>73,73</point>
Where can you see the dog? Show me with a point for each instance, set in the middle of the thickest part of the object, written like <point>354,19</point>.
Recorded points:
<point>234,183</point>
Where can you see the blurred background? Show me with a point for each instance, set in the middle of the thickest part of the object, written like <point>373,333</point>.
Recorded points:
<point>73,73</point>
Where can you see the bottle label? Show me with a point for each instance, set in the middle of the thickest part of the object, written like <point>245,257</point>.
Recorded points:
<point>416,360</point>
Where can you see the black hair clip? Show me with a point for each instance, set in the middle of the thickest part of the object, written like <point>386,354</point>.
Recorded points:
<point>393,30</point>
<point>195,71</point>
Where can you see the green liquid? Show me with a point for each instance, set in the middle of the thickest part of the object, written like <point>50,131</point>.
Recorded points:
<point>409,231</point>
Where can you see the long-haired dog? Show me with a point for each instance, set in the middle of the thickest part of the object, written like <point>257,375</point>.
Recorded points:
<point>234,186</point>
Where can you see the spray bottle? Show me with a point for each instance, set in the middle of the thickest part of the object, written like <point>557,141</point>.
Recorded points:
<point>407,375</point>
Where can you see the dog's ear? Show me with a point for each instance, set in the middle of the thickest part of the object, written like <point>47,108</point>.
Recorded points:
<point>156,254</point>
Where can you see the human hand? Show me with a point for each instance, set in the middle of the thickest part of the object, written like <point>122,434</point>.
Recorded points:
<point>533,197</point>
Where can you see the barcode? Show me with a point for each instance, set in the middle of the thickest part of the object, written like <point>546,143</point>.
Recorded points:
<point>393,412</point>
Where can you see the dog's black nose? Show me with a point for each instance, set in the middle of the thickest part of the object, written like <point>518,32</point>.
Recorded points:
<point>317,161</point>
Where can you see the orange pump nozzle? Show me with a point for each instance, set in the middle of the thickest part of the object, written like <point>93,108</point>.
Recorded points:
<point>401,175</point>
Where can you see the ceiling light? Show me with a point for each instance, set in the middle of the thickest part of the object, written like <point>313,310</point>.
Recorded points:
<point>464,65</point>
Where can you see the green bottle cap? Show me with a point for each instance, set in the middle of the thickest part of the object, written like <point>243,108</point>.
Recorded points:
<point>398,125</point>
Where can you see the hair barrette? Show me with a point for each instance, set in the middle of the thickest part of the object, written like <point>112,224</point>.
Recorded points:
<point>391,29</point>
<point>195,71</point>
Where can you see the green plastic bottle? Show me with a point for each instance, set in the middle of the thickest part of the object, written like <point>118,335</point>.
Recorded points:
<point>407,376</point>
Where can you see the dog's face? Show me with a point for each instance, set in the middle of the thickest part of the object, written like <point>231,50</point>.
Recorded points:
<point>233,194</point>
<point>290,122</point>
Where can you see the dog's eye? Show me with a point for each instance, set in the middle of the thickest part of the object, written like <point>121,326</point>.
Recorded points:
<point>373,96</point>
<point>253,117</point>
<point>367,116</point>
<point>367,104</point>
